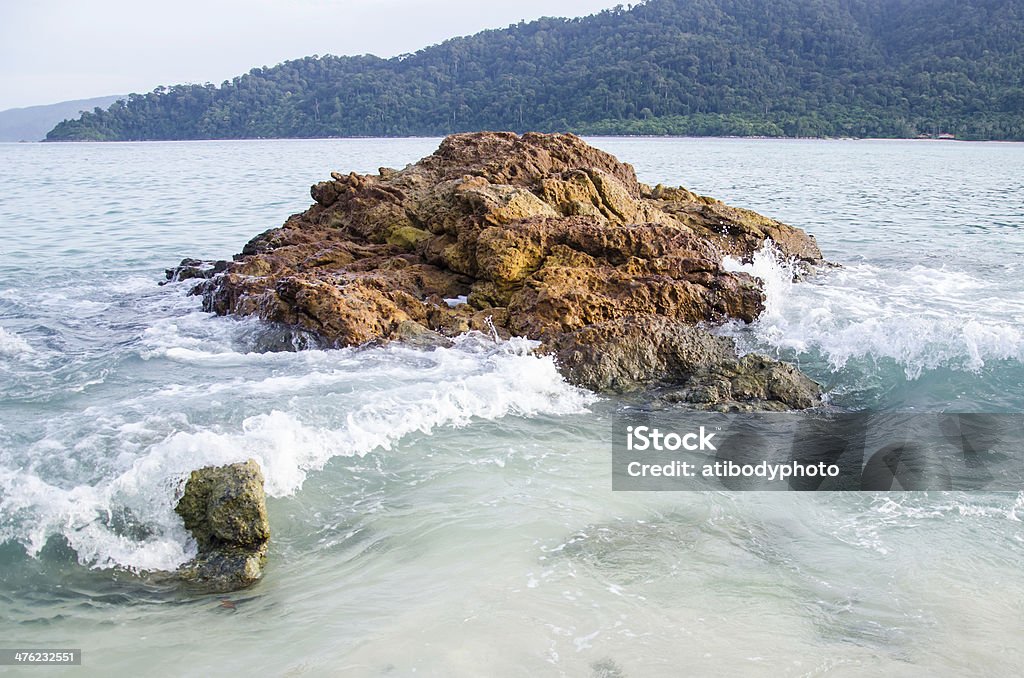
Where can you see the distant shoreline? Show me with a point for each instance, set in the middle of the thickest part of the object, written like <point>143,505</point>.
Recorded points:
<point>586,136</point>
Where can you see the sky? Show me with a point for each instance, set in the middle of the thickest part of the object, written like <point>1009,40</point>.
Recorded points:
<point>56,50</point>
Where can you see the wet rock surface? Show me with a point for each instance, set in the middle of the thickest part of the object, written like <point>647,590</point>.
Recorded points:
<point>543,236</point>
<point>689,363</point>
<point>224,507</point>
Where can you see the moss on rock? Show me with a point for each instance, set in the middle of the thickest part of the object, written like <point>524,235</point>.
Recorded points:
<point>225,509</point>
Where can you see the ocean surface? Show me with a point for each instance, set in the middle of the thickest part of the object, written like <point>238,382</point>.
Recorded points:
<point>450,513</point>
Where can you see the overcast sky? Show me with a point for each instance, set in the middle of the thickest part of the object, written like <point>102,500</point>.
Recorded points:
<point>55,50</point>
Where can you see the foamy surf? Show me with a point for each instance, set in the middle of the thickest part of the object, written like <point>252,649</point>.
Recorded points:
<point>13,346</point>
<point>921,318</point>
<point>322,405</point>
<point>370,400</point>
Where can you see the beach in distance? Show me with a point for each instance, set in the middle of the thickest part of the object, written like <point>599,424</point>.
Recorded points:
<point>444,505</point>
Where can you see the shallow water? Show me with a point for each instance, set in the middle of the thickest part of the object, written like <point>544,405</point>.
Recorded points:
<point>450,513</point>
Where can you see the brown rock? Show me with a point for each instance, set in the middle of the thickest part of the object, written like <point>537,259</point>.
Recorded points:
<point>631,353</point>
<point>701,369</point>
<point>546,236</point>
<point>736,231</point>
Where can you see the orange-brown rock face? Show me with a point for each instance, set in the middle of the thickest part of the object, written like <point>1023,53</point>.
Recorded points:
<point>542,234</point>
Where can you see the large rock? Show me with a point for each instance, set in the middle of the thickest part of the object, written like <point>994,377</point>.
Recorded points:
<point>225,509</point>
<point>544,235</point>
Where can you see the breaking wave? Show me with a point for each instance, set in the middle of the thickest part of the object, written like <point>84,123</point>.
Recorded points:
<point>921,318</point>
<point>125,461</point>
<point>13,346</point>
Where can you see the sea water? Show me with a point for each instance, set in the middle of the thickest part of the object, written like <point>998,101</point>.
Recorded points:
<point>450,512</point>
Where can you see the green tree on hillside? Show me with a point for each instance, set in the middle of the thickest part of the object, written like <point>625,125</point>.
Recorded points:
<point>886,68</point>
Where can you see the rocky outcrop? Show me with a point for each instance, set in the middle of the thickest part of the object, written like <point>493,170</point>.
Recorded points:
<point>224,507</point>
<point>544,237</point>
<point>698,368</point>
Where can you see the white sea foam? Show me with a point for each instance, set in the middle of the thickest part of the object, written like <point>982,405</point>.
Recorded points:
<point>455,387</point>
<point>82,516</point>
<point>131,284</point>
<point>872,525</point>
<point>198,338</point>
<point>922,318</point>
<point>346,403</point>
<point>13,346</point>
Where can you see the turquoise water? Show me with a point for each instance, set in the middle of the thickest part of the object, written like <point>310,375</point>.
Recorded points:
<point>450,513</point>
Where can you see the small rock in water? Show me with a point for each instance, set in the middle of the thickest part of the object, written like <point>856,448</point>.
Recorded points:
<point>190,269</point>
<point>225,509</point>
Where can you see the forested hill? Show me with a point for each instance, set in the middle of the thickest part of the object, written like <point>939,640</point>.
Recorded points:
<point>887,68</point>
